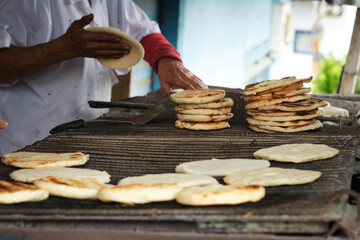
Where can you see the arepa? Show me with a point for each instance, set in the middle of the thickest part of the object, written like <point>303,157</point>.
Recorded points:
<point>220,167</point>
<point>181,179</point>
<point>296,152</point>
<point>198,95</point>
<point>17,192</point>
<point>218,194</point>
<point>272,176</point>
<point>85,188</point>
<point>41,159</point>
<point>140,193</point>
<point>30,175</point>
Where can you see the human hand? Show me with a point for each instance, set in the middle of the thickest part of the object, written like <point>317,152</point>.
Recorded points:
<point>78,42</point>
<point>3,124</point>
<point>172,73</point>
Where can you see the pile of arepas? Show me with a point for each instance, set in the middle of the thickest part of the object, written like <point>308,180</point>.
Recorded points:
<point>202,109</point>
<point>282,105</point>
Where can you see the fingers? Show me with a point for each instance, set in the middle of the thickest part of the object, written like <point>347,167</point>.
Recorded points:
<point>82,22</point>
<point>78,42</point>
<point>108,46</point>
<point>107,50</point>
<point>101,37</point>
<point>166,87</point>
<point>3,124</point>
<point>172,73</point>
<point>182,80</point>
<point>195,82</point>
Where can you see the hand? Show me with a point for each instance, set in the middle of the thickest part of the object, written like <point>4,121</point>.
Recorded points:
<point>3,124</point>
<point>172,73</point>
<point>81,43</point>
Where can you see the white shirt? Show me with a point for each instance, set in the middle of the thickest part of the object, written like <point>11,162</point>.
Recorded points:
<point>60,93</point>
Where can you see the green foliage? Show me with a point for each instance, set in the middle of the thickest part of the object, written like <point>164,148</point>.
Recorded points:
<point>328,78</point>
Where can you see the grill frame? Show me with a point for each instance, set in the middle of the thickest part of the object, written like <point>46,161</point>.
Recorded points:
<point>126,150</point>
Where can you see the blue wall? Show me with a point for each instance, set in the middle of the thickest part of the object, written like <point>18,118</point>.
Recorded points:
<point>219,39</point>
<point>224,42</point>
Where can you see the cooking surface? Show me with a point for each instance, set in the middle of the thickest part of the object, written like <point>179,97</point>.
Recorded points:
<point>126,150</point>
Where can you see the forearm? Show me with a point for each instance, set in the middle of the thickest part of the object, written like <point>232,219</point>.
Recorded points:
<point>18,61</point>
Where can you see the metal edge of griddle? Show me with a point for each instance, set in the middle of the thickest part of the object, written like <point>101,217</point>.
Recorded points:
<point>139,231</point>
<point>203,224</point>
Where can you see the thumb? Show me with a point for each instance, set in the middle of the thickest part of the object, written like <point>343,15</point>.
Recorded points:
<point>85,20</point>
<point>166,87</point>
<point>3,124</point>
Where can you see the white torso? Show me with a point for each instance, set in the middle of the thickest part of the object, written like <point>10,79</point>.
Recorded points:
<point>60,93</point>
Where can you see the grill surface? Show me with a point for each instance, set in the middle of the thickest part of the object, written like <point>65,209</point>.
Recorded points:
<point>126,150</point>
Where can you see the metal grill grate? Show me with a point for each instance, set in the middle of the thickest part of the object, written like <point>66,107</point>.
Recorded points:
<point>126,150</point>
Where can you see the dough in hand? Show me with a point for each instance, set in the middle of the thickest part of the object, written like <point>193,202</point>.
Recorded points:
<point>129,60</point>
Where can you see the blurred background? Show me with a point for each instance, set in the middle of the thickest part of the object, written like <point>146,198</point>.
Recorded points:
<point>232,43</point>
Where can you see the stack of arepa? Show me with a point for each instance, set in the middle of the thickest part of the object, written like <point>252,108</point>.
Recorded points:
<point>282,105</point>
<point>202,109</point>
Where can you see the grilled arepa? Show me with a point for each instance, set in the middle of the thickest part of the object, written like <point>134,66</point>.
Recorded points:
<point>86,188</point>
<point>16,192</point>
<point>40,159</point>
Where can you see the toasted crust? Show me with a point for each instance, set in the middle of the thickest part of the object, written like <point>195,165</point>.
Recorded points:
<point>16,192</point>
<point>261,123</point>
<point>85,188</point>
<point>257,129</point>
<point>222,103</point>
<point>306,105</point>
<point>287,118</point>
<point>277,113</point>
<point>253,112</point>
<point>39,160</point>
<point>312,126</point>
<point>204,118</point>
<point>282,105</point>
<point>277,94</point>
<point>218,194</point>
<point>258,104</point>
<point>203,111</point>
<point>290,93</point>
<point>288,87</point>
<point>201,125</point>
<point>198,96</point>
<point>258,97</point>
<point>269,84</point>
<point>306,80</point>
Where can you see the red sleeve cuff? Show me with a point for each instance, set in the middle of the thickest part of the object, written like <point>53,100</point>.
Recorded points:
<point>157,46</point>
